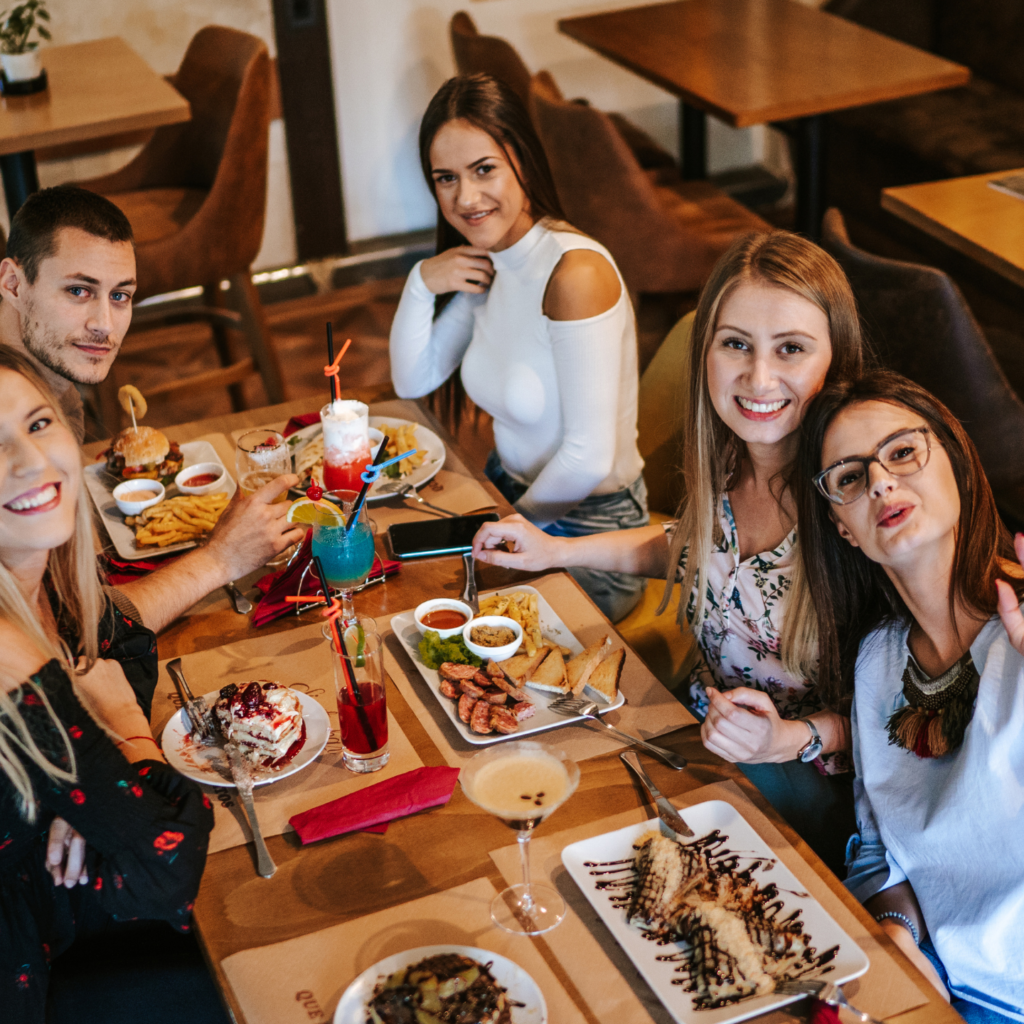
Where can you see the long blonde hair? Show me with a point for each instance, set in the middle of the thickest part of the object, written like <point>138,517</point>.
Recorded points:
<point>73,574</point>
<point>712,452</point>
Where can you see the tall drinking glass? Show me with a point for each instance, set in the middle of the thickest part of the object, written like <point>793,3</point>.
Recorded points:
<point>346,555</point>
<point>262,455</point>
<point>362,707</point>
<point>346,444</point>
<point>522,782</point>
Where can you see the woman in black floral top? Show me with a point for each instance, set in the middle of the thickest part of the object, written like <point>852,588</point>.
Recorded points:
<point>75,743</point>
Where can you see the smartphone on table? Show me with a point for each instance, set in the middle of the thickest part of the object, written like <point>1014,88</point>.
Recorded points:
<point>432,537</point>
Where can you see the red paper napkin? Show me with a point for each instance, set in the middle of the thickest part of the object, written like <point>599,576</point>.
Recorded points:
<point>393,798</point>
<point>822,1013</point>
<point>119,571</point>
<point>298,422</point>
<point>276,586</point>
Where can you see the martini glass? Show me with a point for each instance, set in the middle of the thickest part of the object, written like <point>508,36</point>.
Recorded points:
<point>522,782</point>
<point>346,554</point>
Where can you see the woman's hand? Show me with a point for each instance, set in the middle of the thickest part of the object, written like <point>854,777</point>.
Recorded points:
<point>743,725</point>
<point>531,548</point>
<point>109,698</point>
<point>900,934</point>
<point>462,269</point>
<point>1009,606</point>
<point>65,855</point>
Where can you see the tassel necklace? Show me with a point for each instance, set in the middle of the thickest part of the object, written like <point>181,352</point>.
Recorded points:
<point>938,710</point>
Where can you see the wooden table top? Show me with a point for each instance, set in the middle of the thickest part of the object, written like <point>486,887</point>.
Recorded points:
<point>755,61</point>
<point>96,88</point>
<point>340,879</point>
<point>969,216</point>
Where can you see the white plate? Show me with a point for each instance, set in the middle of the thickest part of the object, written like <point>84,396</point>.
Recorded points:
<point>101,484</point>
<point>850,961</point>
<point>551,626</point>
<point>520,986</point>
<point>425,439</point>
<point>201,763</point>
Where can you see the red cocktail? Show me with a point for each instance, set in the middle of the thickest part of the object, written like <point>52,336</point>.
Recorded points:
<point>364,729</point>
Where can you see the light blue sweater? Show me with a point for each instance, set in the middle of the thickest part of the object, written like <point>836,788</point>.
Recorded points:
<point>953,826</point>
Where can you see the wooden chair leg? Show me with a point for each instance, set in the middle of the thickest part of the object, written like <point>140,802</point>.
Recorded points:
<point>257,334</point>
<point>214,297</point>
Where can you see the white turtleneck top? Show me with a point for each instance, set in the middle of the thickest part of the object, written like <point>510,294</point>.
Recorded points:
<point>563,393</point>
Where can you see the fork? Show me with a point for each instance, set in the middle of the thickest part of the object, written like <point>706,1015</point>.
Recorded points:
<point>826,992</point>
<point>588,709</point>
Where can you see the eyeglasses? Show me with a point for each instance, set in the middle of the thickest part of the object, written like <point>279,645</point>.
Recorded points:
<point>903,454</point>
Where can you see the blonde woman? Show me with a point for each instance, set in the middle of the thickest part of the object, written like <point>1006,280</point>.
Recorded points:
<point>775,321</point>
<point>76,751</point>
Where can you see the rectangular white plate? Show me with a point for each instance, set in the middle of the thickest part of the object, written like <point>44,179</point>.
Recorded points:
<point>551,626</point>
<point>101,484</point>
<point>850,961</point>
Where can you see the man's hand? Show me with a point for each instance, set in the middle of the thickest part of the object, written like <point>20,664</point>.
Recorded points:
<point>254,530</point>
<point>65,855</point>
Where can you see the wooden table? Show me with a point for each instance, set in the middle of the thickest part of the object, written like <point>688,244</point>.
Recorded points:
<point>341,879</point>
<point>762,61</point>
<point>981,222</point>
<point>96,88</point>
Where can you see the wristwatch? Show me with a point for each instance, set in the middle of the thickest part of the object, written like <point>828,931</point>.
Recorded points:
<point>812,748</point>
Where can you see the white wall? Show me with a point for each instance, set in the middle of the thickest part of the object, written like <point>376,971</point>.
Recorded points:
<point>390,56</point>
<point>159,30</point>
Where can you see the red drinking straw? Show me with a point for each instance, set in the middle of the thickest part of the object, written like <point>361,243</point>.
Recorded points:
<point>382,454</point>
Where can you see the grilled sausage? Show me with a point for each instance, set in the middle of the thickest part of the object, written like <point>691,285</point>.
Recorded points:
<point>494,696</point>
<point>450,670</point>
<point>466,703</point>
<point>468,686</point>
<point>524,709</point>
<point>449,689</point>
<point>503,720</point>
<point>510,688</point>
<point>480,719</point>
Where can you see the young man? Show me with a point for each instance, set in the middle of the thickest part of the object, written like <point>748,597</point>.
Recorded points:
<point>66,288</point>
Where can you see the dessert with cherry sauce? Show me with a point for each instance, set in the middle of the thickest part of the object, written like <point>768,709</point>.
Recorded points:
<point>264,719</point>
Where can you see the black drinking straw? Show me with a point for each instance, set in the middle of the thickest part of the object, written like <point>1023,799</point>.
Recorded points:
<point>350,677</point>
<point>330,357</point>
<point>382,454</point>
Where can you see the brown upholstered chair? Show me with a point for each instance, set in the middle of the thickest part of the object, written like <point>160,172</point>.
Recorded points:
<point>475,53</point>
<point>196,198</point>
<point>920,325</point>
<point>664,238</point>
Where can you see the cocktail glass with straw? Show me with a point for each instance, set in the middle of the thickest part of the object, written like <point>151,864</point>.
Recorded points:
<point>522,782</point>
<point>345,551</point>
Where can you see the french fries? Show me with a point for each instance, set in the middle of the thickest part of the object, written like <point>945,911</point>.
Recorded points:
<point>521,607</point>
<point>403,439</point>
<point>184,518</point>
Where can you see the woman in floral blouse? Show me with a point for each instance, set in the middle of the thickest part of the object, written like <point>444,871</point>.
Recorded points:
<point>776,320</point>
<point>76,749</point>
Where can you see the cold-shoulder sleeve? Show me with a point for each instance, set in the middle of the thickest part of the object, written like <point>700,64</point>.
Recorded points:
<point>425,352</point>
<point>146,827</point>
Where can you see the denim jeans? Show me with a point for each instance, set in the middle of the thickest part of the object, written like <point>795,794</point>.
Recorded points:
<point>973,1013</point>
<point>615,593</point>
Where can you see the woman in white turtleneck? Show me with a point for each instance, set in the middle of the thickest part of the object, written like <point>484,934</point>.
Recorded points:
<point>538,318</point>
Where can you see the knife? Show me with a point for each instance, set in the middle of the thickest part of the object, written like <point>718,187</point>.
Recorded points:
<point>242,604</point>
<point>469,594</point>
<point>668,814</point>
<point>242,778</point>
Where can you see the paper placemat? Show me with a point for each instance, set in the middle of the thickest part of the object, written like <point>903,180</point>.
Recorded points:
<point>650,709</point>
<point>299,658</point>
<point>611,985</point>
<point>301,981</point>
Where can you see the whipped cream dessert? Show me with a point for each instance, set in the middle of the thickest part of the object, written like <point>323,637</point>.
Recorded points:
<point>264,719</point>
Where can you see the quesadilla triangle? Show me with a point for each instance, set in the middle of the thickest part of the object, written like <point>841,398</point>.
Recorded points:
<point>604,680</point>
<point>551,674</point>
<point>578,669</point>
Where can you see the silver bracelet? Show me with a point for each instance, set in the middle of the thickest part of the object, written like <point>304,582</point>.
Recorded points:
<point>906,920</point>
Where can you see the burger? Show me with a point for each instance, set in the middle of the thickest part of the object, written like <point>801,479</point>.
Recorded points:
<point>144,453</point>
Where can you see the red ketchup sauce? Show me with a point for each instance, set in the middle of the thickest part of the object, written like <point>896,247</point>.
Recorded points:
<point>201,479</point>
<point>444,618</point>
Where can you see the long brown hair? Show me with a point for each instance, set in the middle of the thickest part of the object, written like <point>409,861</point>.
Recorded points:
<point>712,452</point>
<point>853,596</point>
<point>490,105</point>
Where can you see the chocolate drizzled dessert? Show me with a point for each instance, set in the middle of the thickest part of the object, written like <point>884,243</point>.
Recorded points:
<point>264,719</point>
<point>737,942</point>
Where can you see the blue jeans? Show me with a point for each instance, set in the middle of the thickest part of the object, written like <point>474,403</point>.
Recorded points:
<point>615,593</point>
<point>973,1013</point>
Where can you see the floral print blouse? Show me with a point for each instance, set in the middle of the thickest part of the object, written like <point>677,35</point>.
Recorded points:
<point>741,631</point>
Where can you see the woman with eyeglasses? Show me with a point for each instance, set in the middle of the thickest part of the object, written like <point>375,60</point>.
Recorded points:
<point>775,321</point>
<point>912,570</point>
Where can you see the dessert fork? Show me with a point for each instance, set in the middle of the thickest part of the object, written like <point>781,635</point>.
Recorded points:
<point>242,776</point>
<point>826,992</point>
<point>588,709</point>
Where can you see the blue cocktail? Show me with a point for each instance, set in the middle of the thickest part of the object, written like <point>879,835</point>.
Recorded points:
<point>346,555</point>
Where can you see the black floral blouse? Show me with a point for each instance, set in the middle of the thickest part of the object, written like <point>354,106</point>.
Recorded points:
<point>146,829</point>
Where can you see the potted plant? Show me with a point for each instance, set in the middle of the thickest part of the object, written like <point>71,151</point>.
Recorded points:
<point>19,53</point>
